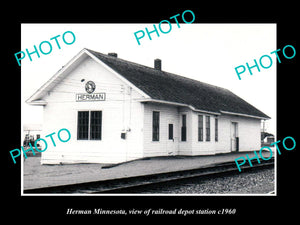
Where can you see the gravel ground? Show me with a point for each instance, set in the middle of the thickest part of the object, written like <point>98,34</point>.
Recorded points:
<point>36,175</point>
<point>252,182</point>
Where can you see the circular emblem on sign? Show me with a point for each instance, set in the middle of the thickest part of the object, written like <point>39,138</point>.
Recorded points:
<point>90,87</point>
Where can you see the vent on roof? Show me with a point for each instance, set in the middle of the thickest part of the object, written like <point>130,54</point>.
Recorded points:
<point>113,54</point>
<point>157,64</point>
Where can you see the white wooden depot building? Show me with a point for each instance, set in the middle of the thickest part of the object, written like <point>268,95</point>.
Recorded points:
<point>118,110</point>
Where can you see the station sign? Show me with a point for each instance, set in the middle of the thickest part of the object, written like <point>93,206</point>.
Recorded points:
<point>90,97</point>
<point>90,87</point>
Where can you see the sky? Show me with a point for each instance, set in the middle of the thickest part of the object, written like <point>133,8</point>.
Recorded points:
<point>205,52</point>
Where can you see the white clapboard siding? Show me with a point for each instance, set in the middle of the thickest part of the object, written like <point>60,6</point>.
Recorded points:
<point>123,111</point>
<point>119,112</point>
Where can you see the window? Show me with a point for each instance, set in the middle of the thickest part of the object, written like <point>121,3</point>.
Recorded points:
<point>183,128</point>
<point>83,125</point>
<point>207,125</point>
<point>89,125</point>
<point>171,131</point>
<point>95,125</point>
<point>200,128</point>
<point>216,129</point>
<point>155,126</point>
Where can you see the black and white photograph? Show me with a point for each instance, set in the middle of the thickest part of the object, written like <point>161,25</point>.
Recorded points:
<point>146,118</point>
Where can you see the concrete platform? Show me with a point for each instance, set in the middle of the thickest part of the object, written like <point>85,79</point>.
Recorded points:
<point>37,175</point>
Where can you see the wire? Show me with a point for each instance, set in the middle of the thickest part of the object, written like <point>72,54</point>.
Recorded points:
<point>111,100</point>
<point>80,84</point>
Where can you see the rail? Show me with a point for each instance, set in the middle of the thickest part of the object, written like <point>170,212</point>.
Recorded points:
<point>122,185</point>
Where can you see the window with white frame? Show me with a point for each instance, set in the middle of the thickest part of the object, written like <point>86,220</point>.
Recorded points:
<point>183,128</point>
<point>200,127</point>
<point>207,126</point>
<point>155,126</point>
<point>216,130</point>
<point>89,125</point>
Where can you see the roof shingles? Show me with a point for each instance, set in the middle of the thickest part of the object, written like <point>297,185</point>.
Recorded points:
<point>161,85</point>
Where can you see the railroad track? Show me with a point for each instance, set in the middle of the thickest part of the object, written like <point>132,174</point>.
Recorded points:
<point>126,185</point>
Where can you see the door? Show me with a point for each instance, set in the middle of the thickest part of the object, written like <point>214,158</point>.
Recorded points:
<point>171,145</point>
<point>234,137</point>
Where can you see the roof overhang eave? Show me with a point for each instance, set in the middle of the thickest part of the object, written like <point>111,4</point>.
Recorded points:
<point>37,102</point>
<point>178,104</point>
<point>244,115</point>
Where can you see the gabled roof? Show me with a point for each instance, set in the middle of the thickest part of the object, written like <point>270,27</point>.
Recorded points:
<point>164,86</point>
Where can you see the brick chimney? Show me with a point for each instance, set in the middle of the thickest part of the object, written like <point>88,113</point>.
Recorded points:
<point>157,64</point>
<point>113,54</point>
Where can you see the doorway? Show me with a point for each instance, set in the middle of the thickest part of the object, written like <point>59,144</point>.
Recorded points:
<point>171,145</point>
<point>234,137</point>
